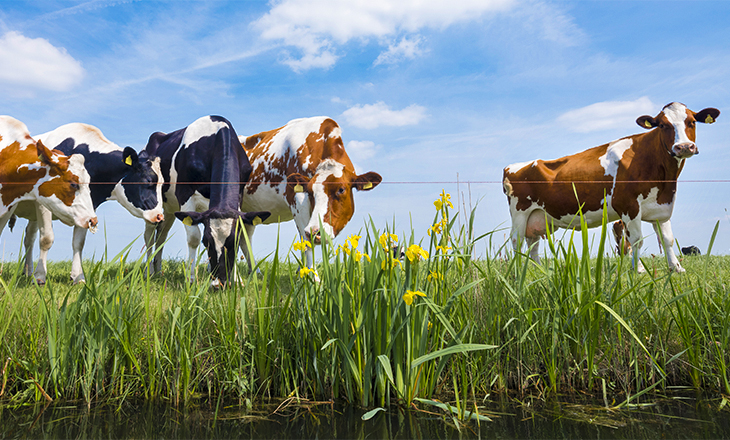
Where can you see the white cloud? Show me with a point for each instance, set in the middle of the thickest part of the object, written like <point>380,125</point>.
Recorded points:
<point>313,26</point>
<point>379,114</point>
<point>606,115</point>
<point>406,49</point>
<point>34,63</point>
<point>361,150</point>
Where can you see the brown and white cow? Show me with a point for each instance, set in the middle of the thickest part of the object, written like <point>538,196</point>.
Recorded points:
<point>636,176</point>
<point>30,171</point>
<point>301,171</point>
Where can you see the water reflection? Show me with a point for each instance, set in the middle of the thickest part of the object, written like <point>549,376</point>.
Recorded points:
<point>667,418</point>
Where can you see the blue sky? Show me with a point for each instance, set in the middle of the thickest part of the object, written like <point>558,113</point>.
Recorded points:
<point>425,91</point>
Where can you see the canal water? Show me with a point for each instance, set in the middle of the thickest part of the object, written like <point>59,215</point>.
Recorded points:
<point>679,417</point>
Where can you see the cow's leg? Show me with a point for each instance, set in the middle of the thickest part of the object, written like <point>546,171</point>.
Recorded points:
<point>149,241</point>
<point>535,229</point>
<point>636,240</point>
<point>163,228</point>
<point>664,231</point>
<point>193,238</point>
<point>45,226</point>
<point>77,272</point>
<point>31,233</point>
<point>246,249</point>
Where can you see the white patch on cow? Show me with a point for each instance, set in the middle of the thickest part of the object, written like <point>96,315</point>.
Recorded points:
<point>518,166</point>
<point>289,138</point>
<point>676,113</point>
<point>614,153</point>
<point>328,167</point>
<point>200,128</point>
<point>268,198</point>
<point>81,134</point>
<point>220,230</point>
<point>653,211</point>
<point>81,209</point>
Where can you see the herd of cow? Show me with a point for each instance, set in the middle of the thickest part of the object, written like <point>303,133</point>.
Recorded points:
<point>206,174</point>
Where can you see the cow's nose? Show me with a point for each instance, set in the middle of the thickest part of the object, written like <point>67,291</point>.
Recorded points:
<point>314,236</point>
<point>685,149</point>
<point>93,222</point>
<point>159,218</point>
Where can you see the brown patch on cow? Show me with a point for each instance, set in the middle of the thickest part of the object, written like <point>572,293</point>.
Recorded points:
<point>63,184</point>
<point>580,174</point>
<point>18,179</point>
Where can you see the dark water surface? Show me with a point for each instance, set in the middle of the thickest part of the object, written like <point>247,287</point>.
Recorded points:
<point>676,418</point>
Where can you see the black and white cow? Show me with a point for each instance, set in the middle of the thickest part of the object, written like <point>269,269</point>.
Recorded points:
<point>205,170</point>
<point>116,174</point>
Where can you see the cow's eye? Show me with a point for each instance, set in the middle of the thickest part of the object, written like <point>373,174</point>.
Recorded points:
<point>691,124</point>
<point>341,191</point>
<point>74,186</point>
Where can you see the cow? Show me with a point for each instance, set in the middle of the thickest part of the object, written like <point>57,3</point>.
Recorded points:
<point>691,250</point>
<point>205,170</point>
<point>301,171</point>
<point>31,172</point>
<point>116,173</point>
<point>636,178</point>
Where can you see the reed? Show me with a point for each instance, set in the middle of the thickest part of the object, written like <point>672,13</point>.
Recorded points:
<point>438,327</point>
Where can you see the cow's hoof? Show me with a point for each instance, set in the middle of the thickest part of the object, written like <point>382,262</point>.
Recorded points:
<point>40,282</point>
<point>677,269</point>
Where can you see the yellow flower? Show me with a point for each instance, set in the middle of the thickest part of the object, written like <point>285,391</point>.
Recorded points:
<point>438,204</point>
<point>345,248</point>
<point>434,276</point>
<point>393,263</point>
<point>302,245</point>
<point>303,272</point>
<point>446,199</point>
<point>353,239</point>
<point>410,296</point>
<point>415,253</point>
<point>386,240</point>
<point>359,255</point>
<point>443,249</point>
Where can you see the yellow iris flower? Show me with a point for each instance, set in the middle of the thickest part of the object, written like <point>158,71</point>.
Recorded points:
<point>415,253</point>
<point>410,295</point>
<point>386,240</point>
<point>302,245</point>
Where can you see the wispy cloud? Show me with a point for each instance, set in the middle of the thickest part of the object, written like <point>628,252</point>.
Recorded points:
<point>314,27</point>
<point>34,64</point>
<point>606,115</point>
<point>379,114</point>
<point>406,49</point>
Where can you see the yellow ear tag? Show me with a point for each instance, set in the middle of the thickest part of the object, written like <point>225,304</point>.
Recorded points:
<point>298,188</point>
<point>367,185</point>
<point>128,160</point>
<point>709,120</point>
<point>256,221</point>
<point>187,221</point>
<point>648,124</point>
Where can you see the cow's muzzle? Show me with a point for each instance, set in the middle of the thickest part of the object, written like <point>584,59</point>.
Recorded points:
<point>314,236</point>
<point>684,150</point>
<point>92,224</point>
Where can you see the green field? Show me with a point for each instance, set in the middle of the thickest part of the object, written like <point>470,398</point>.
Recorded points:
<point>373,331</point>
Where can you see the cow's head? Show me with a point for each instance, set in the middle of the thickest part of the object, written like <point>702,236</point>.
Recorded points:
<point>142,194</point>
<point>65,190</point>
<point>677,127</point>
<point>221,237</point>
<point>327,198</point>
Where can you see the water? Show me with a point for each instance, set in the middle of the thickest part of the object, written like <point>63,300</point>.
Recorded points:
<point>667,418</point>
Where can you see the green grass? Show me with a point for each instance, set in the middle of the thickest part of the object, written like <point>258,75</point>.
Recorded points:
<point>373,330</point>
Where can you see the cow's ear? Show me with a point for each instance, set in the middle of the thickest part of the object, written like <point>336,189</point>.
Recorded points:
<point>130,158</point>
<point>254,218</point>
<point>298,182</point>
<point>190,218</point>
<point>647,122</point>
<point>44,154</point>
<point>707,116</point>
<point>367,181</point>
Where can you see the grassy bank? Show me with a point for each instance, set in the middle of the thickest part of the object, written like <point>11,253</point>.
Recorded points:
<point>374,330</point>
